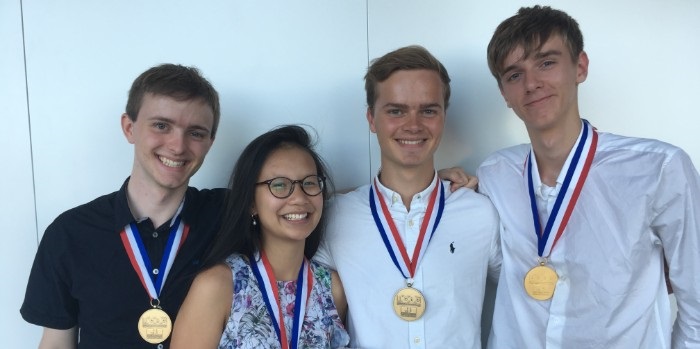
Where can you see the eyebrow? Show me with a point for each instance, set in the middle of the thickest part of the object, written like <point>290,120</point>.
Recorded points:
<point>549,53</point>
<point>171,121</point>
<point>405,106</point>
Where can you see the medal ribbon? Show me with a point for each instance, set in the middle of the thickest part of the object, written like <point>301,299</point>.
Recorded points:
<point>136,250</point>
<point>568,195</point>
<point>393,243</point>
<point>268,285</point>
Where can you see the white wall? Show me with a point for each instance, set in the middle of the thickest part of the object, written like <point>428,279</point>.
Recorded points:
<point>277,62</point>
<point>17,213</point>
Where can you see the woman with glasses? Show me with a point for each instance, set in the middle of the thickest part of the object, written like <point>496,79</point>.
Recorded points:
<point>259,287</point>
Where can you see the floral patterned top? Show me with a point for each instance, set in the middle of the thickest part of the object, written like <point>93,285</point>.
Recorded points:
<point>249,325</point>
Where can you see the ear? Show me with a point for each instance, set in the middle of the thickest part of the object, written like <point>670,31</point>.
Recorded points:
<point>370,120</point>
<point>582,67</point>
<point>128,127</point>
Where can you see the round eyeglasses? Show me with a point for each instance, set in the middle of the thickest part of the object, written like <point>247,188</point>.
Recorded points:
<point>283,187</point>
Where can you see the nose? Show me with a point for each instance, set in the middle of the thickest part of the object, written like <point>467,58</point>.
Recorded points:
<point>413,121</point>
<point>176,143</point>
<point>532,81</point>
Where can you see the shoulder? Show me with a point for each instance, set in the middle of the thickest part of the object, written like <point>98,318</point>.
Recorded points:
<point>102,205</point>
<point>356,197</point>
<point>513,153</point>
<point>613,142</point>
<point>98,214</point>
<point>207,197</point>
<point>616,150</point>
<point>507,159</point>
<point>465,196</point>
<point>213,282</point>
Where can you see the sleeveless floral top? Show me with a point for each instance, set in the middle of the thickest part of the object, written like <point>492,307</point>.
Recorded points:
<point>249,325</point>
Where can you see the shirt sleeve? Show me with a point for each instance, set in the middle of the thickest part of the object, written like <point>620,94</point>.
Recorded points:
<point>495,258</point>
<point>677,222</point>
<point>48,301</point>
<point>323,255</point>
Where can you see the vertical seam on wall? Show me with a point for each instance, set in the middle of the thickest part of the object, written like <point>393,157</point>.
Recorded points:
<point>29,121</point>
<point>369,133</point>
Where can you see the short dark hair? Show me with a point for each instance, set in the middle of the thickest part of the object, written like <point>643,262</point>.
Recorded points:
<point>530,28</point>
<point>237,233</point>
<point>175,81</point>
<point>406,58</point>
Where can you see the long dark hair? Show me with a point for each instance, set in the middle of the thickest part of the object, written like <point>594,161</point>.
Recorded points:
<point>237,233</point>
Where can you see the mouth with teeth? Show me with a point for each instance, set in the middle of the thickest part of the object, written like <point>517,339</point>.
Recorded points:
<point>171,163</point>
<point>411,141</point>
<point>295,216</point>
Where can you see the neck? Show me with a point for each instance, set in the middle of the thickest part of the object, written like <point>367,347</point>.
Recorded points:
<point>407,182</point>
<point>552,147</point>
<point>285,259</point>
<point>155,203</point>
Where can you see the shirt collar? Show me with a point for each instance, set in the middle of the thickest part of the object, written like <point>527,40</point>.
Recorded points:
<point>541,188</point>
<point>393,198</point>
<point>123,215</point>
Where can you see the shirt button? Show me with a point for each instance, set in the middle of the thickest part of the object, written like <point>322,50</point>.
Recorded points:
<point>160,346</point>
<point>155,271</point>
<point>416,340</point>
<point>155,234</point>
<point>410,223</point>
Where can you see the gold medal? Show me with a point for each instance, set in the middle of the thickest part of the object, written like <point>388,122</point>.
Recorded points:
<point>540,282</point>
<point>409,304</point>
<point>155,326</point>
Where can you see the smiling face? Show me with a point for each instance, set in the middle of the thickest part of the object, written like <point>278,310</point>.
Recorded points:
<point>170,138</point>
<point>291,219</point>
<point>542,89</point>
<point>408,118</point>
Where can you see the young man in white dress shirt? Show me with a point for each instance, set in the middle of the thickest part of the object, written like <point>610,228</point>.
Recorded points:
<point>413,256</point>
<point>586,216</point>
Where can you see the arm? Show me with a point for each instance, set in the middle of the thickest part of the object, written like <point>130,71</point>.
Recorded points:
<point>59,339</point>
<point>341,303</point>
<point>677,223</point>
<point>459,178</point>
<point>203,315</point>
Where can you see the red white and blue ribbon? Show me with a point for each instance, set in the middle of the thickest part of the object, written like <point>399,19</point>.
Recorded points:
<point>267,282</point>
<point>576,174</point>
<point>140,261</point>
<point>393,243</point>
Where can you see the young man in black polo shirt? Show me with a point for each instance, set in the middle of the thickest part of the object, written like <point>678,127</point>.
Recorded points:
<point>112,273</point>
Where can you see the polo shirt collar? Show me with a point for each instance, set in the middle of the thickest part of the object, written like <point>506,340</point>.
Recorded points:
<point>123,215</point>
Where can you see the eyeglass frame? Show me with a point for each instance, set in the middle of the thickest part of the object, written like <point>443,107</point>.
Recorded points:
<point>321,182</point>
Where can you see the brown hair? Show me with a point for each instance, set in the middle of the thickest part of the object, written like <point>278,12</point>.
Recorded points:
<point>530,28</point>
<point>175,81</point>
<point>406,58</point>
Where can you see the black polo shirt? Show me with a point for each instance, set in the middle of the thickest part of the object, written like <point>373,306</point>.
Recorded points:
<point>82,275</point>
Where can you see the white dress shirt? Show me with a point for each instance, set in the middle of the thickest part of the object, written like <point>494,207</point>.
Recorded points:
<point>451,274</point>
<point>641,199</point>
